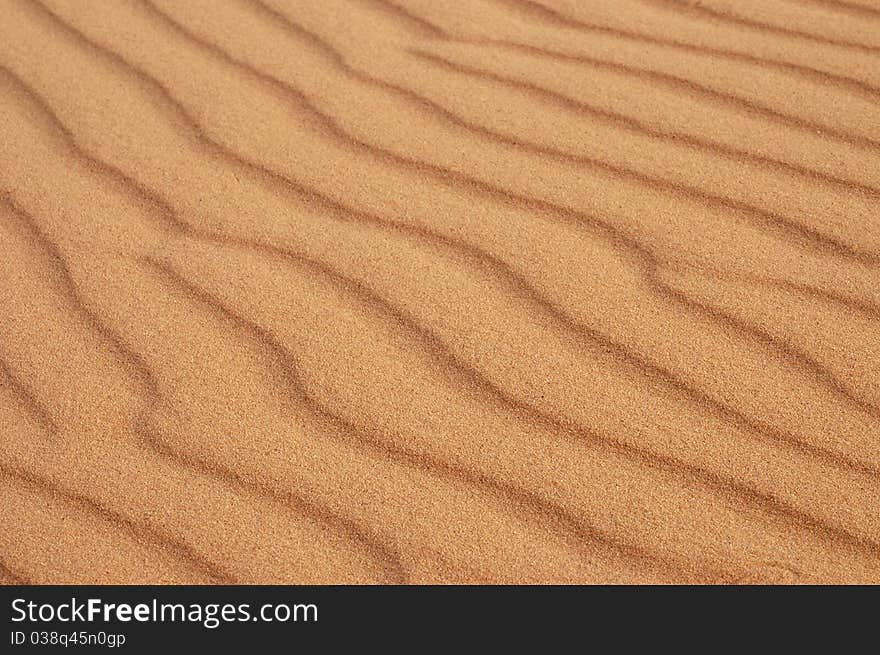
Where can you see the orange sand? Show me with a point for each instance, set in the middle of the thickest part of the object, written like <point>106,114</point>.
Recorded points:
<point>300,291</point>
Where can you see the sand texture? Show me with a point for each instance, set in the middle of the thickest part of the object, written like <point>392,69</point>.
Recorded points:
<point>485,291</point>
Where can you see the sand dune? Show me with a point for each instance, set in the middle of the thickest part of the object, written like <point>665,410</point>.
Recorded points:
<point>495,291</point>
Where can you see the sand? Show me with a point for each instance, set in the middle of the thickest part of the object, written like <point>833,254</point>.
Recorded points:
<point>407,291</point>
